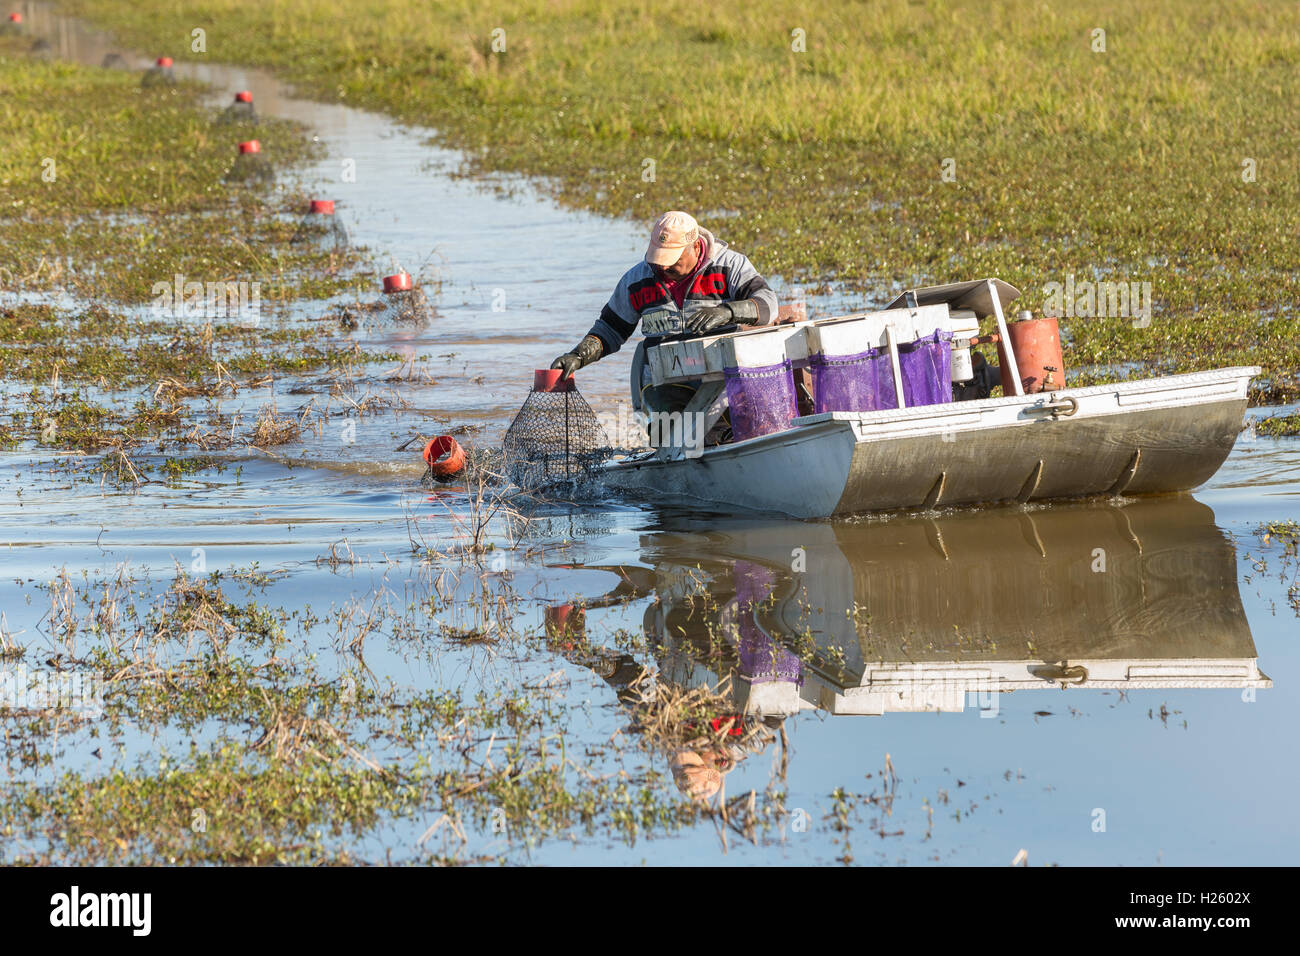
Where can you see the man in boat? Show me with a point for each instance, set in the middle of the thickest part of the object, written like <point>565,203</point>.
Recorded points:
<point>690,283</point>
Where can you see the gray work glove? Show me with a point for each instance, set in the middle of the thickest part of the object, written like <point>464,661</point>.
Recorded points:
<point>744,312</point>
<point>586,352</point>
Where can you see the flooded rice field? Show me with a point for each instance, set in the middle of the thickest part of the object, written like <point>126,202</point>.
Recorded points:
<point>1103,682</point>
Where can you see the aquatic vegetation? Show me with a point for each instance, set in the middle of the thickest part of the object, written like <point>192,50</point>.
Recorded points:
<point>117,350</point>
<point>298,763</point>
<point>131,265</point>
<point>114,193</point>
<point>275,429</point>
<point>1278,426</point>
<point>1287,534</point>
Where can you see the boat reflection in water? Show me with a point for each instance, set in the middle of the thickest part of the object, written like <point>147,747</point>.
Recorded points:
<point>935,612</point>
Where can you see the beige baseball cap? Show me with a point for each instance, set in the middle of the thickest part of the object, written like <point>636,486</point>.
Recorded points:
<point>695,775</point>
<point>672,232</point>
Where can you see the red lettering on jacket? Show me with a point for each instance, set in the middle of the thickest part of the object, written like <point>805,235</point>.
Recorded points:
<point>644,296</point>
<point>710,283</point>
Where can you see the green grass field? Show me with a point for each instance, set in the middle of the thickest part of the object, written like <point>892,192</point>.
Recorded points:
<point>816,136</point>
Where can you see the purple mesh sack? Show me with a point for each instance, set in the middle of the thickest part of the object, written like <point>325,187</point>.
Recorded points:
<point>762,659</point>
<point>864,382</point>
<point>762,399</point>
<point>926,365</point>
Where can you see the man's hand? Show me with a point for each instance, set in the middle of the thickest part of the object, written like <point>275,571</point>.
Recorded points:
<point>742,311</point>
<point>586,352</point>
<point>709,318</point>
<point>570,362</point>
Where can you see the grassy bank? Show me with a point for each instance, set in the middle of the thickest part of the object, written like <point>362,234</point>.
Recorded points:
<point>817,137</point>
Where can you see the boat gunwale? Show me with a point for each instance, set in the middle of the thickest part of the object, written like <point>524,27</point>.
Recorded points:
<point>1187,380</point>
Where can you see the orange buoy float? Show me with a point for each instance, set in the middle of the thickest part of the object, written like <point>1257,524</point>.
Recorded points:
<point>1036,344</point>
<point>444,456</point>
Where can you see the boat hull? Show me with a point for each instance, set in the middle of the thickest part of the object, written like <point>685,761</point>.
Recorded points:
<point>1152,436</point>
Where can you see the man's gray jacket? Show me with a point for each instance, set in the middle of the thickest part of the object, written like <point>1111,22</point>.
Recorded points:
<point>640,298</point>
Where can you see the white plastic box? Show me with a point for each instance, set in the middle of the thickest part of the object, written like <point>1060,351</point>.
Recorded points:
<point>851,335</point>
<point>707,357</point>
<point>840,335</point>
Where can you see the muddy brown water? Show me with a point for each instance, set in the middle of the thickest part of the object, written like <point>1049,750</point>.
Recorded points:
<point>1097,682</point>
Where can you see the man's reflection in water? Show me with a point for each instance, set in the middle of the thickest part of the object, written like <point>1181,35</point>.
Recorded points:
<point>684,709</point>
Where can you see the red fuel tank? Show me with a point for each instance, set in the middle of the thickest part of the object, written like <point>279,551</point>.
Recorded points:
<point>1037,347</point>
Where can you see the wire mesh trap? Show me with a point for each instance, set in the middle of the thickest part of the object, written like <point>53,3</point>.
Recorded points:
<point>240,111</point>
<point>250,164</point>
<point>321,228</point>
<point>555,435</point>
<point>160,74</point>
<point>404,301</point>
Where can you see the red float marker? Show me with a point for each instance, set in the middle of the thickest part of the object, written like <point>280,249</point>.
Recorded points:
<point>406,301</point>
<point>551,380</point>
<point>401,282</point>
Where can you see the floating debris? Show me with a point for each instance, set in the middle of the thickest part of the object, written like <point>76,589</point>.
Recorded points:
<point>160,74</point>
<point>250,164</point>
<point>321,227</point>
